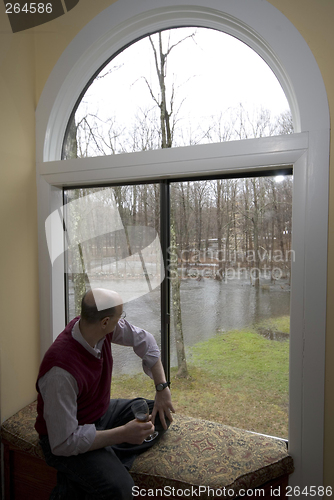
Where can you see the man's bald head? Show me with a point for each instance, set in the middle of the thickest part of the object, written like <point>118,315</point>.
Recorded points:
<point>99,303</point>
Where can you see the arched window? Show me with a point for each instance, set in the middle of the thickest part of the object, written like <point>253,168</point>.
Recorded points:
<point>267,31</point>
<point>175,88</point>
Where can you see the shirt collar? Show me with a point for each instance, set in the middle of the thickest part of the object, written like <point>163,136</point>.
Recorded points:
<point>77,335</point>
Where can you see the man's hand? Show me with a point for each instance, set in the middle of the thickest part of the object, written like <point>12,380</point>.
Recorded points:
<point>163,406</point>
<point>136,432</point>
<point>163,402</point>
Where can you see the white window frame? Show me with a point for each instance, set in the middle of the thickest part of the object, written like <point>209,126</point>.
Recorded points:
<point>270,34</point>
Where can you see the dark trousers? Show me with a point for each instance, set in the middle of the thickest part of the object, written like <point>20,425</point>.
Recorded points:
<point>99,474</point>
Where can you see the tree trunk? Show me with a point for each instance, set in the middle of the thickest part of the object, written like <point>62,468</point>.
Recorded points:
<point>176,301</point>
<point>255,219</point>
<point>220,274</point>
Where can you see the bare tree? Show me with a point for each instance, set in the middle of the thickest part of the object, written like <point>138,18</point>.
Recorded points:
<point>167,124</point>
<point>182,371</point>
<point>220,274</point>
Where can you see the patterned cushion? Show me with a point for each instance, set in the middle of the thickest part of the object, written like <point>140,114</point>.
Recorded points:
<point>193,453</point>
<point>19,431</point>
<point>197,452</point>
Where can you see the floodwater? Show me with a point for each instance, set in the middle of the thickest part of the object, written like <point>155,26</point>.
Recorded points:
<point>208,307</point>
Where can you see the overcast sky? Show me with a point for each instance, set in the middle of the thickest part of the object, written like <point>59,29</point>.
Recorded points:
<point>211,73</point>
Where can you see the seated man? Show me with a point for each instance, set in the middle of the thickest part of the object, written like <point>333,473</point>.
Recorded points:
<point>90,439</point>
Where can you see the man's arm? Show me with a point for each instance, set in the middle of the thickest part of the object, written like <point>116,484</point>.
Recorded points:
<point>163,401</point>
<point>142,342</point>
<point>59,391</point>
<point>145,346</point>
<point>134,432</point>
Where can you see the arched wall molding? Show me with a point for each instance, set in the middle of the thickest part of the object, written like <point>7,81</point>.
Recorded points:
<point>271,35</point>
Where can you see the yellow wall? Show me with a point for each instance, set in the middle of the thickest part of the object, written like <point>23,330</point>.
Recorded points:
<point>19,337</point>
<point>26,60</point>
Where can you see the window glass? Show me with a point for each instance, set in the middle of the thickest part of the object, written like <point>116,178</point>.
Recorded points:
<point>230,261</point>
<point>230,239</point>
<point>229,265</point>
<point>113,242</point>
<point>178,87</point>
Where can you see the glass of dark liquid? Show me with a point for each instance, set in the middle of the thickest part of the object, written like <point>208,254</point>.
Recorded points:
<point>142,414</point>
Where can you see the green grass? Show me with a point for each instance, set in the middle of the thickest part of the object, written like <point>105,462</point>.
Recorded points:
<point>238,378</point>
<point>280,324</point>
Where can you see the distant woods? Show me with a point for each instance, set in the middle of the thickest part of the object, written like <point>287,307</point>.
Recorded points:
<point>233,228</point>
<point>221,228</point>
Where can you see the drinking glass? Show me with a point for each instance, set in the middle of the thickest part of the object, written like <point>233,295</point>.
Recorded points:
<point>142,414</point>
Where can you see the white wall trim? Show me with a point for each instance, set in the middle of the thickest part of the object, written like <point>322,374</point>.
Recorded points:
<point>209,159</point>
<point>265,29</point>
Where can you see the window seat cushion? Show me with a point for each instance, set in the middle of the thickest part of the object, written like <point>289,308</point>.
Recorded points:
<point>192,453</point>
<point>196,452</point>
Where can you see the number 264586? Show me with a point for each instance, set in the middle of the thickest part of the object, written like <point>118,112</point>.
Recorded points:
<point>28,8</point>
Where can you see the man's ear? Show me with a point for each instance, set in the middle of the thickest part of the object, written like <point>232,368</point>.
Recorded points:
<point>105,322</point>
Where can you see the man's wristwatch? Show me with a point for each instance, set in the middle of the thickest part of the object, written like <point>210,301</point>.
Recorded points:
<point>162,386</point>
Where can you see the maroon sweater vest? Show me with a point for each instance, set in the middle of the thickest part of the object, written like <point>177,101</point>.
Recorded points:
<point>93,376</point>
